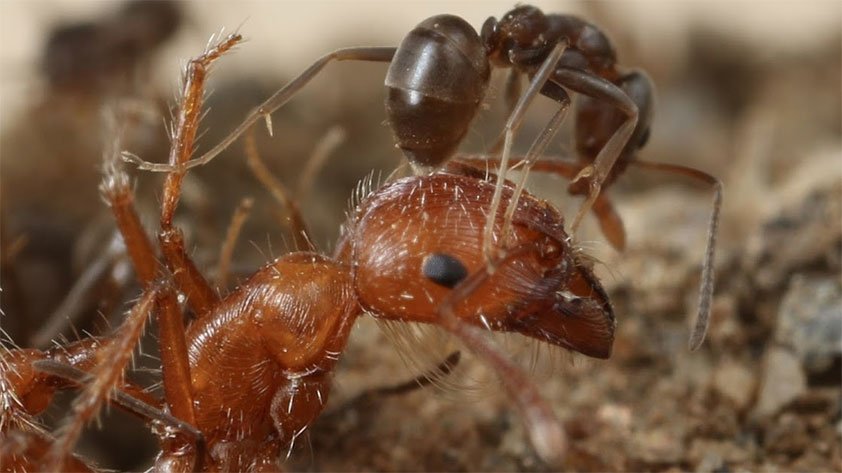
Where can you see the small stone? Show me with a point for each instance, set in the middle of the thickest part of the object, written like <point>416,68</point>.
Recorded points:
<point>713,455</point>
<point>658,447</point>
<point>783,381</point>
<point>810,321</point>
<point>615,415</point>
<point>735,382</point>
<point>788,436</point>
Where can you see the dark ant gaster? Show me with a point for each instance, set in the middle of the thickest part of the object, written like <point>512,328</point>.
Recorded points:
<point>253,368</point>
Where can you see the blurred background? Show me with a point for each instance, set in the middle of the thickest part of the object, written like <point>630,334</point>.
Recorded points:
<point>747,91</point>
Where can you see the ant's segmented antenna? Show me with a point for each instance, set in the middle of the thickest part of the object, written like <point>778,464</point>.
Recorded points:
<point>702,319</point>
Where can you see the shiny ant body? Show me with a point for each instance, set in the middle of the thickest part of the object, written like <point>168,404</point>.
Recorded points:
<point>416,250</point>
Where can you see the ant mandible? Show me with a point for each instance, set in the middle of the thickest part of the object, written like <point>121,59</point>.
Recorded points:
<point>439,75</point>
<point>252,370</point>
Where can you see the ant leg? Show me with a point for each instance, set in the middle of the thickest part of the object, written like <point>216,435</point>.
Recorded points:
<point>116,191</point>
<point>188,278</point>
<point>70,310</point>
<point>511,94</point>
<point>369,396</point>
<point>274,102</point>
<point>118,195</point>
<point>545,431</point>
<point>596,173</point>
<point>294,219</point>
<point>23,450</point>
<point>331,140</point>
<point>112,360</point>
<point>512,124</point>
<point>127,396</point>
<point>227,251</point>
<point>697,336</point>
<point>537,149</point>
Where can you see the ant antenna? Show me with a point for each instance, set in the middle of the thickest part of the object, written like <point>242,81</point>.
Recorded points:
<point>700,326</point>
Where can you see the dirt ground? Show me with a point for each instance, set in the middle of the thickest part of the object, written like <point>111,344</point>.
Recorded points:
<point>743,94</point>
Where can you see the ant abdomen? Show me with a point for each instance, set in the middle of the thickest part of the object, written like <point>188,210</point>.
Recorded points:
<point>435,83</point>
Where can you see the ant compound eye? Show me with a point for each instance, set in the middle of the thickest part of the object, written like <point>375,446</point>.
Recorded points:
<point>444,270</point>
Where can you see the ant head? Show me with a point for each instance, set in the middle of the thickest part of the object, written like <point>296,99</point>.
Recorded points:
<point>518,33</point>
<point>419,244</point>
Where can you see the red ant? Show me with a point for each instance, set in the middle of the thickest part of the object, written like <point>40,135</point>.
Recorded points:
<point>413,251</point>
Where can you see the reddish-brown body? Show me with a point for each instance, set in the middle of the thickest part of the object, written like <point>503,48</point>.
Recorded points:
<point>398,226</point>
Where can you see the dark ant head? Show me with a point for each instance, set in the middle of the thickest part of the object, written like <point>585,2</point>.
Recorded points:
<point>519,33</point>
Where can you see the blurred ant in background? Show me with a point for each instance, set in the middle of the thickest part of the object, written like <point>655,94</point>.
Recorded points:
<point>94,56</point>
<point>57,256</point>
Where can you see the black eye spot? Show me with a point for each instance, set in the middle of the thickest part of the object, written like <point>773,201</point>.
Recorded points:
<point>444,269</point>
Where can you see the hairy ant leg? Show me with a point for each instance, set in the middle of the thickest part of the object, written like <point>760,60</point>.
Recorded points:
<point>119,196</point>
<point>372,395</point>
<point>274,102</point>
<point>190,281</point>
<point>24,447</point>
<point>21,450</point>
<point>111,362</point>
<point>127,395</point>
<point>134,401</point>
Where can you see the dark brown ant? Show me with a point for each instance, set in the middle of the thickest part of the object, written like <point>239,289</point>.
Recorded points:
<point>439,75</point>
<point>253,368</point>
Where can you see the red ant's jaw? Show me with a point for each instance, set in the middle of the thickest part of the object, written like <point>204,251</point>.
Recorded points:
<point>575,313</point>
